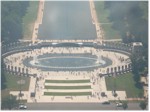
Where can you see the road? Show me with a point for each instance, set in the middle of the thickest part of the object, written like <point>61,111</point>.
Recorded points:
<point>79,106</point>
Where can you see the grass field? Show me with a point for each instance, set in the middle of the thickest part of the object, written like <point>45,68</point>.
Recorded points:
<point>144,7</point>
<point>103,15</point>
<point>29,19</point>
<point>67,81</point>
<point>12,85</point>
<point>11,82</point>
<point>67,93</point>
<point>67,87</point>
<point>124,82</point>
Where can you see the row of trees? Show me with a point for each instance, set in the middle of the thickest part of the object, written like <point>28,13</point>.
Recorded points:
<point>130,18</point>
<point>142,105</point>
<point>3,79</point>
<point>10,102</point>
<point>12,13</point>
<point>11,20</point>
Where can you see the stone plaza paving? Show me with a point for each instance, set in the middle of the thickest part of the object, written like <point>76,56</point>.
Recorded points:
<point>96,83</point>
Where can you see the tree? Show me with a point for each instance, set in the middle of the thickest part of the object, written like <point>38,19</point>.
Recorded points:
<point>12,13</point>
<point>3,79</point>
<point>9,102</point>
<point>138,67</point>
<point>143,105</point>
<point>125,105</point>
<point>130,19</point>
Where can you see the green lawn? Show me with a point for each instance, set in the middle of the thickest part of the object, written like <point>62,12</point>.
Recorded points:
<point>29,19</point>
<point>67,87</point>
<point>11,82</point>
<point>12,85</point>
<point>103,15</point>
<point>67,81</point>
<point>67,93</point>
<point>144,7</point>
<point>124,82</point>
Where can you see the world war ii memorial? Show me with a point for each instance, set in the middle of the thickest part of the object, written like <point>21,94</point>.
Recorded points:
<point>68,57</point>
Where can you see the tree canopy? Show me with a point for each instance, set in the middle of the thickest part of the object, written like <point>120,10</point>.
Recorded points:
<point>130,18</point>
<point>143,105</point>
<point>9,102</point>
<point>11,20</point>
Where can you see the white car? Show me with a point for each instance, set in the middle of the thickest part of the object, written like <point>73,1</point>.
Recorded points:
<point>22,106</point>
<point>119,104</point>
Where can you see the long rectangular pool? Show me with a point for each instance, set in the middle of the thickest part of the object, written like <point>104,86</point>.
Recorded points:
<point>67,20</point>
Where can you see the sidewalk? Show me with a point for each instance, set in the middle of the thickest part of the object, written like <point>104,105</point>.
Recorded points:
<point>38,21</point>
<point>100,35</point>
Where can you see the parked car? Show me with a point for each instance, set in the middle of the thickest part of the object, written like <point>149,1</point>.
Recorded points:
<point>22,106</point>
<point>106,102</point>
<point>119,104</point>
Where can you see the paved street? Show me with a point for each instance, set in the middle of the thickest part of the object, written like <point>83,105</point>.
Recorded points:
<point>79,106</point>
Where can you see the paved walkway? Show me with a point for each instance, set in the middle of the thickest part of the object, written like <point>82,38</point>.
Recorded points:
<point>19,57</point>
<point>38,21</point>
<point>99,31</point>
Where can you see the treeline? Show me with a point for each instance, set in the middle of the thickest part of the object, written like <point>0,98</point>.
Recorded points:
<point>11,25</point>
<point>130,18</point>
<point>3,79</point>
<point>12,13</point>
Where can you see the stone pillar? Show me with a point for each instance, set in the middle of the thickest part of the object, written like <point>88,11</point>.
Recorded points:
<point>115,69</point>
<point>22,70</point>
<point>112,70</point>
<point>126,67</point>
<point>11,68</point>
<point>15,69</point>
<point>26,71</point>
<point>118,68</point>
<point>8,67</point>
<point>19,70</point>
<point>107,70</point>
<point>122,68</point>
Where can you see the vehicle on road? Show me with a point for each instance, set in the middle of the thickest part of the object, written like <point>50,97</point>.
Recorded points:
<point>119,104</point>
<point>22,106</point>
<point>106,102</point>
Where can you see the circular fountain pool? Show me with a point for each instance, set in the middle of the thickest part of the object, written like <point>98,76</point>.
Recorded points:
<point>66,62</point>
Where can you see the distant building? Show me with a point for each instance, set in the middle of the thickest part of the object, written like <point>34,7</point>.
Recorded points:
<point>137,48</point>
